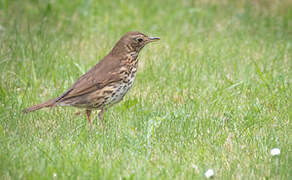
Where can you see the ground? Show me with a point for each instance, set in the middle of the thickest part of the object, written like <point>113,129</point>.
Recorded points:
<point>214,93</point>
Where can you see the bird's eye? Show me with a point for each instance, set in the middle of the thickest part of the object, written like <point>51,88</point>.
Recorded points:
<point>139,39</point>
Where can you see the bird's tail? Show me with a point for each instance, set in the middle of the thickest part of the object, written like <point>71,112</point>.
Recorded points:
<point>49,103</point>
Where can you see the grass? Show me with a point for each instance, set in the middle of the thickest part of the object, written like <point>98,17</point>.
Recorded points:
<point>215,92</point>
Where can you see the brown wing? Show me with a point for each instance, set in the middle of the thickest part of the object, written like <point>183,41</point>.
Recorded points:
<point>103,73</point>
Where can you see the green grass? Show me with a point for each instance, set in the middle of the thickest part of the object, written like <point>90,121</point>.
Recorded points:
<point>215,92</point>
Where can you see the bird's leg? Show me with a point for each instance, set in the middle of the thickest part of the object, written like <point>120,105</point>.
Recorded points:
<point>88,112</point>
<point>100,115</point>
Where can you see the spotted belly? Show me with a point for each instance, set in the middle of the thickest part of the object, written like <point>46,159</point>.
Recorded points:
<point>120,92</point>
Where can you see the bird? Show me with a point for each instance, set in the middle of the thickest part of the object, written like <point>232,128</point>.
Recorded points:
<point>106,83</point>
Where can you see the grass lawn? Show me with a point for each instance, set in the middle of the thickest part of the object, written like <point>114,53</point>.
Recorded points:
<point>214,93</point>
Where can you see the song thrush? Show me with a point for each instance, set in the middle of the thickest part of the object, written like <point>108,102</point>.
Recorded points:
<point>107,82</point>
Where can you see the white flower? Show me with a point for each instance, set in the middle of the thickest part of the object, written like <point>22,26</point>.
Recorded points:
<point>2,28</point>
<point>55,175</point>
<point>209,173</point>
<point>275,152</point>
<point>90,154</point>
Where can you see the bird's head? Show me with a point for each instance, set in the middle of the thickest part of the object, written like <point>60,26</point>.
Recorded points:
<point>133,42</point>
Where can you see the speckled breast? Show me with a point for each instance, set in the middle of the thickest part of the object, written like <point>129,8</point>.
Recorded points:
<point>120,92</point>
<point>125,85</point>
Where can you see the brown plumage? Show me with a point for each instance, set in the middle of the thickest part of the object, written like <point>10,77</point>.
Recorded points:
<point>107,82</point>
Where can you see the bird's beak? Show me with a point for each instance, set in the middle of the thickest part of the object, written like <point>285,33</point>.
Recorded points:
<point>152,39</point>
